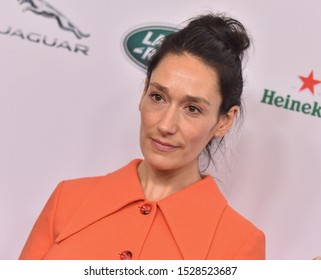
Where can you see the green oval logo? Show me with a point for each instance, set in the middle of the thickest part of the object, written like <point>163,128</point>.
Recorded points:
<point>141,43</point>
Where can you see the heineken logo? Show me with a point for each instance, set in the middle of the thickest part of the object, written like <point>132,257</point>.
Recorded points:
<point>309,82</point>
<point>271,97</point>
<point>141,43</point>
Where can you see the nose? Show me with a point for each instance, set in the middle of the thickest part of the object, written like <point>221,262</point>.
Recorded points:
<point>168,123</point>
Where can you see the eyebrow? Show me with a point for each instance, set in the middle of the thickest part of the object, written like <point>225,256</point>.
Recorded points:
<point>160,87</point>
<point>197,99</point>
<point>187,97</point>
<point>190,98</point>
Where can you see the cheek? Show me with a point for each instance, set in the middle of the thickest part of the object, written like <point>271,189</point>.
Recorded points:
<point>199,136</point>
<point>148,118</point>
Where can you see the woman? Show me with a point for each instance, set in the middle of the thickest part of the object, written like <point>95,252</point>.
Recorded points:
<point>161,207</point>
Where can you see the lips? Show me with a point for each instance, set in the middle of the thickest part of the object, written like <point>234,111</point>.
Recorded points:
<point>163,146</point>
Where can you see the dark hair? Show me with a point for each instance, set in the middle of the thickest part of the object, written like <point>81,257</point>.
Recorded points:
<point>217,40</point>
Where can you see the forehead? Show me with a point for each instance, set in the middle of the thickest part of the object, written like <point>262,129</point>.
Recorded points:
<point>187,73</point>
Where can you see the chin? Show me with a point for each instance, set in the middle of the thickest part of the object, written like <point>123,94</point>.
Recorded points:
<point>162,162</point>
<point>170,162</point>
<point>167,161</point>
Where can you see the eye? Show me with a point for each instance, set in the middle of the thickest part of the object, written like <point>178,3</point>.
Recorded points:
<point>193,109</point>
<point>156,97</point>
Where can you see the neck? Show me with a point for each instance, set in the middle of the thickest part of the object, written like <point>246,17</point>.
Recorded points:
<point>158,184</point>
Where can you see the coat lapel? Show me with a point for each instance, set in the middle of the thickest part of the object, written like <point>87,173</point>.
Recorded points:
<point>193,215</point>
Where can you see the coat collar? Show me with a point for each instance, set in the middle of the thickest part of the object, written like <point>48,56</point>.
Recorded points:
<point>192,214</point>
<point>122,185</point>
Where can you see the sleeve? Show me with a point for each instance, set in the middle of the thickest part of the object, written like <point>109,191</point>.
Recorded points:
<point>41,237</point>
<point>253,248</point>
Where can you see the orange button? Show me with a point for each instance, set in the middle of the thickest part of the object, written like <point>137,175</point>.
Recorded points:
<point>126,255</point>
<point>145,209</point>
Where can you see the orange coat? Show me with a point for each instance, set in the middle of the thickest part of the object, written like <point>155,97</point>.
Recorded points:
<point>103,217</point>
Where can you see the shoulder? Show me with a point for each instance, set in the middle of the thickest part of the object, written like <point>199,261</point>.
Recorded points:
<point>232,219</point>
<point>237,238</point>
<point>80,187</point>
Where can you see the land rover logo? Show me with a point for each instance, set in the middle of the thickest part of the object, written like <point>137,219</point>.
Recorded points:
<point>141,43</point>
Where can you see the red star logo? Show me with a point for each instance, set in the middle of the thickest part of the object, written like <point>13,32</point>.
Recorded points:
<point>309,82</point>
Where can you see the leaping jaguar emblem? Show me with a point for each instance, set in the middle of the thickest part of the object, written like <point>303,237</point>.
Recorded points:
<point>43,8</point>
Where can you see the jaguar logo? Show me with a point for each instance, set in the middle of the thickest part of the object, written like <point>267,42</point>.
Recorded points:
<point>43,8</point>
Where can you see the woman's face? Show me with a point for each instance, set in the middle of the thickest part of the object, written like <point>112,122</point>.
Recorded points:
<point>180,113</point>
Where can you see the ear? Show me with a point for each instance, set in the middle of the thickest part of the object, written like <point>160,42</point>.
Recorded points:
<point>144,93</point>
<point>225,122</point>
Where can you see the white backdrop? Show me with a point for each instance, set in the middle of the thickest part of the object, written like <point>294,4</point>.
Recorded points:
<point>67,114</point>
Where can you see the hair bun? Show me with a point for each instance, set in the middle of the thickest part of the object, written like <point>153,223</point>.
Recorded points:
<point>229,31</point>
